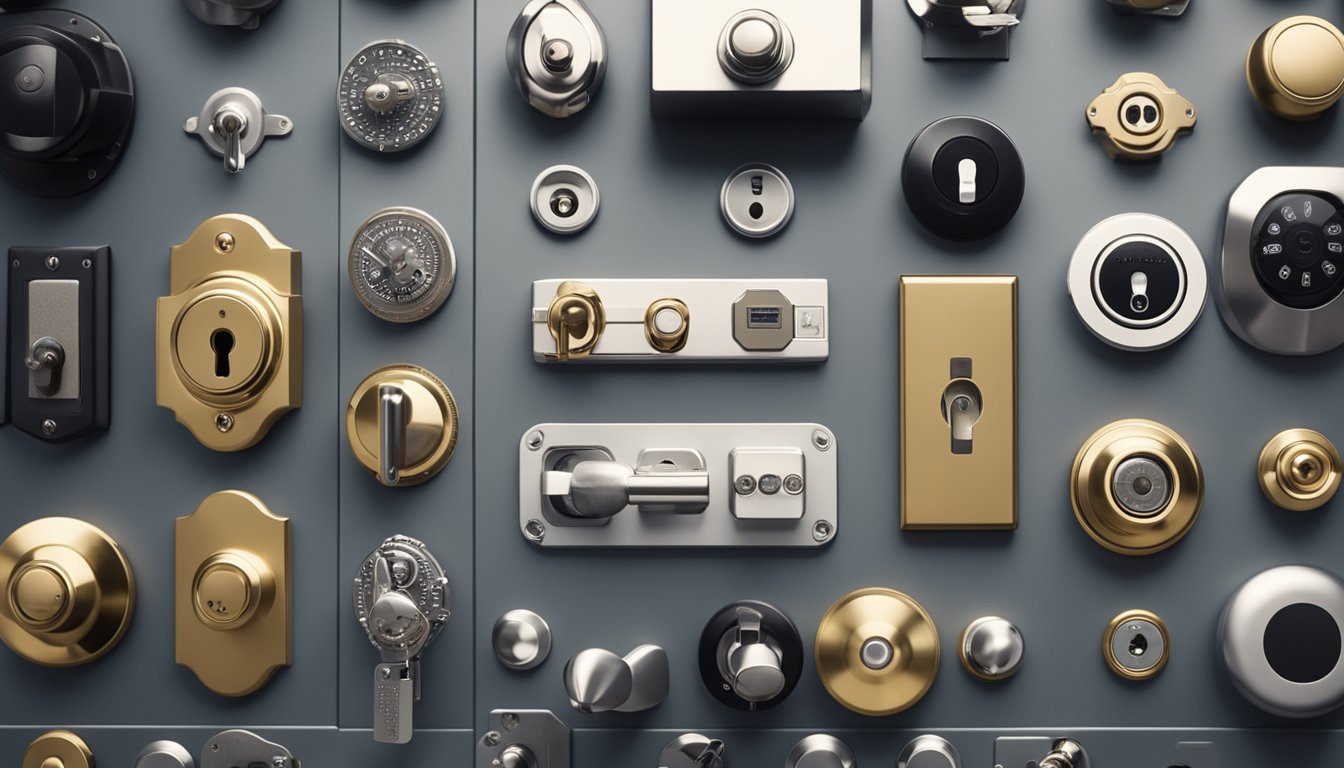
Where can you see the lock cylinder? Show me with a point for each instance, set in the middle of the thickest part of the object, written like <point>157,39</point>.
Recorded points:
<point>1299,470</point>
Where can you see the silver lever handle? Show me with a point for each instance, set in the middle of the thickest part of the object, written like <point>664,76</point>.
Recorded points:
<point>393,416</point>
<point>962,405</point>
<point>231,123</point>
<point>45,359</point>
<point>600,489</point>
<point>598,680</point>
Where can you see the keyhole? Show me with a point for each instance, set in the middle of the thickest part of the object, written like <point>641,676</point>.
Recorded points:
<point>1138,646</point>
<point>221,341</point>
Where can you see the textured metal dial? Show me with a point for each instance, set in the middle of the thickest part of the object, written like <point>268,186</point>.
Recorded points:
<point>390,96</point>
<point>415,573</point>
<point>402,264</point>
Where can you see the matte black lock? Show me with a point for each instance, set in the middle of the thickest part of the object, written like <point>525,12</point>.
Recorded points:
<point>963,178</point>
<point>751,655</point>
<point>66,101</point>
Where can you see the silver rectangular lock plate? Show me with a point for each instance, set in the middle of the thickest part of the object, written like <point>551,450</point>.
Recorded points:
<point>613,485</point>
<point>536,734</point>
<point>58,366</point>
<point>829,74</point>
<point>668,321</point>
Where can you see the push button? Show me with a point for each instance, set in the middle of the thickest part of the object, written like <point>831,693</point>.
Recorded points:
<point>963,178</point>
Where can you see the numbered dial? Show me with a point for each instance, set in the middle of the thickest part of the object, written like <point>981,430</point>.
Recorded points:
<point>402,264</point>
<point>390,96</point>
<point>1297,249</point>
<point>416,575</point>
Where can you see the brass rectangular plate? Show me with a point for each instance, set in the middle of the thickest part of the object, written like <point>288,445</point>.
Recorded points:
<point>943,318</point>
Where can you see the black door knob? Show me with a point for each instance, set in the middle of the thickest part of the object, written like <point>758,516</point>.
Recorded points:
<point>963,178</point>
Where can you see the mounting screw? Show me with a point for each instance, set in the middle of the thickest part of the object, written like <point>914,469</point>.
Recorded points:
<point>53,263</point>
<point>745,485</point>
<point>534,439</point>
<point>15,263</point>
<point>821,440</point>
<point>48,427</point>
<point>87,263</point>
<point>535,530</point>
<point>224,242</point>
<point>509,720</point>
<point>223,422</point>
<point>493,738</point>
<point>822,530</point>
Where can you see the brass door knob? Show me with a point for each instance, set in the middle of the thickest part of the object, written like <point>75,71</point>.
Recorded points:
<point>1296,68</point>
<point>1140,116</point>
<point>69,592</point>
<point>1136,487</point>
<point>877,651</point>
<point>58,749</point>
<point>402,424</point>
<point>1300,469</point>
<point>576,320</point>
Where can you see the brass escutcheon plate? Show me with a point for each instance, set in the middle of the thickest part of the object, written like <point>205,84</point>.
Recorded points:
<point>1140,116</point>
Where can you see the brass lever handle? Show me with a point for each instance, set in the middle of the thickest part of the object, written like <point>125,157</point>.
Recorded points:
<point>576,320</point>
<point>393,415</point>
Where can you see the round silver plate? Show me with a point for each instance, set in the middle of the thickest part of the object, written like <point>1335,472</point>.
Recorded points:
<point>401,264</point>
<point>409,122</point>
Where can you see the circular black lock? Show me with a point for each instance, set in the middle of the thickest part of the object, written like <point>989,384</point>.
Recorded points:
<point>1297,249</point>
<point>715,641</point>
<point>963,178</point>
<point>1140,283</point>
<point>66,102</point>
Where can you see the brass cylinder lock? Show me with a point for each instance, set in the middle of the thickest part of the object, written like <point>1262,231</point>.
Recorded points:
<point>58,749</point>
<point>667,325</point>
<point>402,424</point>
<point>877,651</point>
<point>69,592</point>
<point>1299,469</point>
<point>232,588</point>
<point>1140,117</point>
<point>1136,487</point>
<point>1136,645</point>
<point>576,320</point>
<point>229,355</point>
<point>1296,68</point>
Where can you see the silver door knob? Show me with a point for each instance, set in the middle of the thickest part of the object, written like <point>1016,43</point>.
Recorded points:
<point>929,751</point>
<point>992,648</point>
<point>691,750</point>
<point>557,55</point>
<point>755,668</point>
<point>522,639</point>
<point>820,751</point>
<point>598,680</point>
<point>164,754</point>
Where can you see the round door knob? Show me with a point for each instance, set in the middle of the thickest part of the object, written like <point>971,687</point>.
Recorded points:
<point>992,649</point>
<point>229,588</point>
<point>877,651</point>
<point>1280,638</point>
<point>929,751</point>
<point>963,178</point>
<point>751,655</point>
<point>1300,469</point>
<point>402,424</point>
<point>68,592</point>
<point>1296,68</point>
<point>58,749</point>
<point>820,751</point>
<point>522,639</point>
<point>164,754</point>
<point>755,47</point>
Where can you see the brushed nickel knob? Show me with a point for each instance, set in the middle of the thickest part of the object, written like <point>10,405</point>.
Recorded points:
<point>522,639</point>
<point>992,648</point>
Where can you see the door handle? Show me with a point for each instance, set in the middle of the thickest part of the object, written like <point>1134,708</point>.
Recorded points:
<point>597,489</point>
<point>962,405</point>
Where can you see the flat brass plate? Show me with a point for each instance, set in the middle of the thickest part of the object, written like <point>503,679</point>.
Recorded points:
<point>877,651</point>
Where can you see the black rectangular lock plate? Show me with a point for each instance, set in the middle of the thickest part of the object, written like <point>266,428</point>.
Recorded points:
<point>46,285</point>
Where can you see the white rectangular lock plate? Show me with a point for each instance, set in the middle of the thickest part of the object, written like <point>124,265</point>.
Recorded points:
<point>728,320</point>
<point>807,518</point>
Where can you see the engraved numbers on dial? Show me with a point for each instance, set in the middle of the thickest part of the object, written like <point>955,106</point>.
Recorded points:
<point>1298,249</point>
<point>401,264</point>
<point>390,96</point>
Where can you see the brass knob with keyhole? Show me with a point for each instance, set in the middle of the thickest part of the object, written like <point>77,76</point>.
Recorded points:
<point>1140,116</point>
<point>1136,487</point>
<point>1136,645</point>
<point>402,424</point>
<point>877,651</point>
<point>1295,69</point>
<point>667,325</point>
<point>68,592</point>
<point>576,320</point>
<point>1299,469</point>
<point>58,749</point>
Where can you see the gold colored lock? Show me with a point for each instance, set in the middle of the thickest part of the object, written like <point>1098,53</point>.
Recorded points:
<point>58,749</point>
<point>1140,116</point>
<point>1136,487</point>
<point>69,592</point>
<point>229,356</point>
<point>576,320</point>
<point>1296,68</point>
<point>667,325</point>
<point>1300,469</point>
<point>232,588</point>
<point>402,424</point>
<point>877,651</point>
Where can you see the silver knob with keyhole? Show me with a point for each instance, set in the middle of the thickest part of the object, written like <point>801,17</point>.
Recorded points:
<point>757,200</point>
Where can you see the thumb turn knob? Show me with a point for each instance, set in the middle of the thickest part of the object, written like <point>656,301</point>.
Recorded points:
<point>402,424</point>
<point>1296,68</point>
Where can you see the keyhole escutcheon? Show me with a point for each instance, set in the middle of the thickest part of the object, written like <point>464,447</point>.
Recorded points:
<point>221,342</point>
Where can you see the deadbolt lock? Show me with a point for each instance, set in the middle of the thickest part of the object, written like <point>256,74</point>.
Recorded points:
<point>68,592</point>
<point>402,424</point>
<point>233,585</point>
<point>1299,469</point>
<point>1140,116</point>
<point>576,320</point>
<point>229,357</point>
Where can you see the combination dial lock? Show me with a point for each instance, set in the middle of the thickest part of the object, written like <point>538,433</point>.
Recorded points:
<point>402,264</point>
<point>390,96</point>
<point>1298,249</point>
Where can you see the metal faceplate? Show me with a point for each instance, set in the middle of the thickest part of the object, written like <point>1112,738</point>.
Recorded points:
<point>515,736</point>
<point>401,264</point>
<point>415,573</point>
<point>244,749</point>
<point>724,320</point>
<point>546,447</point>
<point>390,96</point>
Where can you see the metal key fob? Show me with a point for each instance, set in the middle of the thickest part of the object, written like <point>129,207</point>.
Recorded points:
<point>402,599</point>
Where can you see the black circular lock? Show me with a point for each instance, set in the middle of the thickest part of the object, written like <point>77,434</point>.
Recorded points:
<point>1140,283</point>
<point>719,647</point>
<point>1297,249</point>
<point>963,178</point>
<point>66,102</point>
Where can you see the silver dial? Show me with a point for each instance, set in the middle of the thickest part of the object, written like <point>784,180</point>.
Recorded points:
<point>402,264</point>
<point>390,96</point>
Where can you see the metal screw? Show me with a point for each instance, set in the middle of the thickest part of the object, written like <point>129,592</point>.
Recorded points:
<point>821,440</point>
<point>48,427</point>
<point>822,530</point>
<point>87,263</point>
<point>793,485</point>
<point>509,720</point>
<point>53,263</point>
<point>770,484</point>
<point>564,203</point>
<point>535,530</point>
<point>224,242</point>
<point>534,439</point>
<point>15,263</point>
<point>214,747</point>
<point>92,174</point>
<point>223,422</point>
<point>493,738</point>
<point>745,485</point>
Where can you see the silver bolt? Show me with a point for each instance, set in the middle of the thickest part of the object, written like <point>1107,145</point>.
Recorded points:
<point>509,720</point>
<point>48,427</point>
<point>223,422</point>
<point>535,530</point>
<point>493,738</point>
<point>770,484</point>
<point>822,530</point>
<point>53,263</point>
<point>821,440</point>
<point>745,485</point>
<point>534,439</point>
<point>88,263</point>
<point>214,747</point>
<point>793,485</point>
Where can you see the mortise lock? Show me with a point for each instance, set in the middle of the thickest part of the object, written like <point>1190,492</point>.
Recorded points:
<point>402,425</point>
<point>1140,116</point>
<point>233,124</point>
<point>1299,469</point>
<point>232,593</point>
<point>576,320</point>
<point>229,357</point>
<point>586,483</point>
<point>598,680</point>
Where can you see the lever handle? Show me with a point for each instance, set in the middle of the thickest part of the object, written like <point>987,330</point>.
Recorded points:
<point>393,416</point>
<point>962,405</point>
<point>599,489</point>
<point>576,320</point>
<point>598,680</point>
<point>231,123</point>
<point>45,359</point>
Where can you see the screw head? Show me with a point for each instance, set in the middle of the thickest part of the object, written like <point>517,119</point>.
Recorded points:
<point>53,263</point>
<point>535,439</point>
<point>793,485</point>
<point>745,485</point>
<point>48,427</point>
<point>535,530</point>
<point>224,242</point>
<point>493,738</point>
<point>223,422</point>
<point>822,530</point>
<point>87,263</point>
<point>821,440</point>
<point>509,720</point>
<point>770,484</point>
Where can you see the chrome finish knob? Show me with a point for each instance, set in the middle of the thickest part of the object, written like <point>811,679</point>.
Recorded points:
<point>929,751</point>
<point>164,754</point>
<point>522,639</point>
<point>691,750</point>
<point>755,668</point>
<point>598,680</point>
<point>820,751</point>
<point>755,47</point>
<point>992,648</point>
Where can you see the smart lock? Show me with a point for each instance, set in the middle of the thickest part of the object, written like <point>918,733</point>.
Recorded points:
<point>229,357</point>
<point>677,485</point>
<point>60,341</point>
<point>650,321</point>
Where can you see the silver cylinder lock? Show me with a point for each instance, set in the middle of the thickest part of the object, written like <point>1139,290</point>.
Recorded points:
<point>557,55</point>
